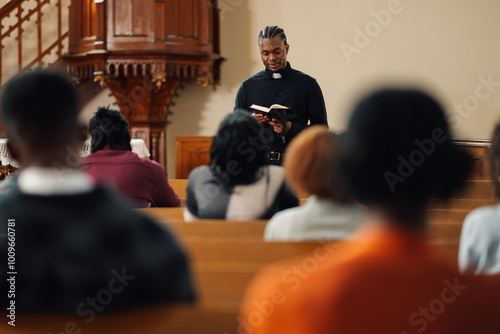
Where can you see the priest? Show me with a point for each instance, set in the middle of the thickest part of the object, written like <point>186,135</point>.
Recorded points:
<point>280,84</point>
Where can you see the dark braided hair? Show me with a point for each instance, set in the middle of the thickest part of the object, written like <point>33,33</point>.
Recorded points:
<point>109,127</point>
<point>494,155</point>
<point>271,32</point>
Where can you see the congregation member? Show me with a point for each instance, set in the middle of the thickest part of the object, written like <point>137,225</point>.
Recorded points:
<point>479,250</point>
<point>238,183</point>
<point>389,279</point>
<point>311,168</point>
<point>73,239</point>
<point>143,182</point>
<point>280,84</point>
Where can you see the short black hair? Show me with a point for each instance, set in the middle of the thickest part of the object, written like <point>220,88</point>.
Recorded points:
<point>398,148</point>
<point>109,128</point>
<point>271,32</point>
<point>234,159</point>
<point>40,107</point>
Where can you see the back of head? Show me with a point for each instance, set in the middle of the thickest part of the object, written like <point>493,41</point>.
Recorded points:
<point>109,128</point>
<point>39,108</point>
<point>311,163</point>
<point>397,149</point>
<point>238,150</point>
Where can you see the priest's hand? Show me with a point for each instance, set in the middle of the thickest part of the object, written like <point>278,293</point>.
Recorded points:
<point>261,118</point>
<point>278,126</point>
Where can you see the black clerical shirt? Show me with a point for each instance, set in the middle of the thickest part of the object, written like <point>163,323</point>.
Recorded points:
<point>295,90</point>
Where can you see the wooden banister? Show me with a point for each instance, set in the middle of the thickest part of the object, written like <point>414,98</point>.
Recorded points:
<point>35,44</point>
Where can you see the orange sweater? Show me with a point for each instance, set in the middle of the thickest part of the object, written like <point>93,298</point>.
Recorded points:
<point>387,282</point>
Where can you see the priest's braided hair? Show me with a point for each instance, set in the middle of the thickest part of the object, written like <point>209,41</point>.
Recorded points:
<point>271,32</point>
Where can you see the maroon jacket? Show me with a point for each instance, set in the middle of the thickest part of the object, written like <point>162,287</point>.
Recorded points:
<point>144,182</point>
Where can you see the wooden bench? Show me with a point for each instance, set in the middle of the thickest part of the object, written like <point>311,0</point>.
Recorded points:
<point>163,215</point>
<point>180,188</point>
<point>152,320</point>
<point>443,225</point>
<point>462,203</point>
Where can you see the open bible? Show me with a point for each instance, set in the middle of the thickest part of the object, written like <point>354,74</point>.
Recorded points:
<point>284,114</point>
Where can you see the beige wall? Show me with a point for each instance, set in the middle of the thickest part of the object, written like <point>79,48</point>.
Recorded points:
<point>441,45</point>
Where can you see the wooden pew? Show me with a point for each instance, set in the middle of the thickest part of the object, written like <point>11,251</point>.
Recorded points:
<point>443,224</point>
<point>163,215</point>
<point>180,187</point>
<point>218,228</point>
<point>476,189</point>
<point>462,203</point>
<point>151,320</point>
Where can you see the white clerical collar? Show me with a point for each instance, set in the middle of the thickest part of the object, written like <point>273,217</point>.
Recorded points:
<point>48,181</point>
<point>277,75</point>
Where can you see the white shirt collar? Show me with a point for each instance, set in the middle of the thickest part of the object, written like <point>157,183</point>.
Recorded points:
<point>54,181</point>
<point>277,75</point>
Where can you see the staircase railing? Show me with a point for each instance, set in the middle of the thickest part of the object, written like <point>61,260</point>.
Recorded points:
<point>34,33</point>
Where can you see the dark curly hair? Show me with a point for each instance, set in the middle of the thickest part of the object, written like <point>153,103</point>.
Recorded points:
<point>238,150</point>
<point>397,148</point>
<point>109,128</point>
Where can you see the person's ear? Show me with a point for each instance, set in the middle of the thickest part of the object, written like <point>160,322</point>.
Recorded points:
<point>287,47</point>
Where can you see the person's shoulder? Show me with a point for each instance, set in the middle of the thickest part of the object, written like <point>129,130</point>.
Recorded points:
<point>285,219</point>
<point>200,174</point>
<point>256,77</point>
<point>200,171</point>
<point>485,214</point>
<point>302,75</point>
<point>153,165</point>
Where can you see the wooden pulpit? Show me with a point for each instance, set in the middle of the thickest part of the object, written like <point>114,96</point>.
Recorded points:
<point>142,50</point>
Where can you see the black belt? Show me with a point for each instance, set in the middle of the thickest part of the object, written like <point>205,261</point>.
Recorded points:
<point>275,156</point>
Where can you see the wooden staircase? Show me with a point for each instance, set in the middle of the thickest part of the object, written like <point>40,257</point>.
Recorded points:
<point>34,34</point>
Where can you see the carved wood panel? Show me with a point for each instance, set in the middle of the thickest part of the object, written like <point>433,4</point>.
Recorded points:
<point>191,152</point>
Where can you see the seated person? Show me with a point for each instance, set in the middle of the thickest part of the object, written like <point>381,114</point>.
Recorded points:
<point>143,182</point>
<point>479,250</point>
<point>388,279</point>
<point>238,183</point>
<point>311,168</point>
<point>73,239</point>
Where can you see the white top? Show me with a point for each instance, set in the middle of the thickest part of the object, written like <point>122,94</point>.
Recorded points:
<point>207,199</point>
<point>47,181</point>
<point>317,219</point>
<point>479,250</point>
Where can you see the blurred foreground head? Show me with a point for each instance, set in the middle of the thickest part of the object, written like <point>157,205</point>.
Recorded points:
<point>39,111</point>
<point>398,150</point>
<point>311,164</point>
